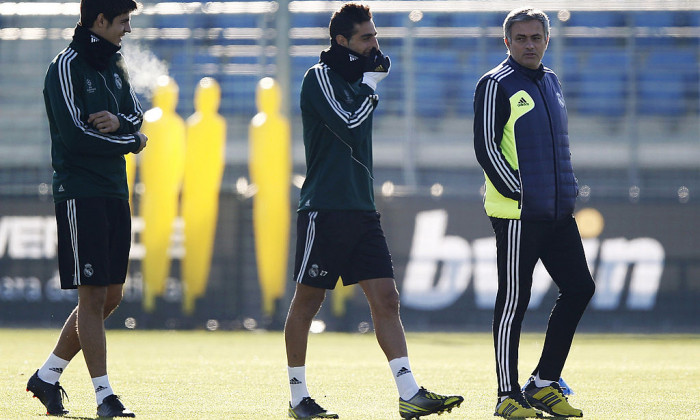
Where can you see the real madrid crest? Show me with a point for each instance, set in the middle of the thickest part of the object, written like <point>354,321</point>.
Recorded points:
<point>117,81</point>
<point>88,270</point>
<point>313,271</point>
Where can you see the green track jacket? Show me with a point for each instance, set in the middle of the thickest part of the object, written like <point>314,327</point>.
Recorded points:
<point>88,163</point>
<point>337,120</point>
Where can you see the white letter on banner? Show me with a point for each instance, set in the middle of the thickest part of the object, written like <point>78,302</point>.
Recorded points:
<point>27,238</point>
<point>616,255</point>
<point>485,272</point>
<point>648,257</point>
<point>50,237</point>
<point>430,246</point>
<point>590,248</point>
<point>610,277</point>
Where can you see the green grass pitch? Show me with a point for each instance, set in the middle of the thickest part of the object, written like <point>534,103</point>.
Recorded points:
<point>242,375</point>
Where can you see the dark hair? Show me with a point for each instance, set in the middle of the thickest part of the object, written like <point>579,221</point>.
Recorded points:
<point>344,20</point>
<point>524,15</point>
<point>90,9</point>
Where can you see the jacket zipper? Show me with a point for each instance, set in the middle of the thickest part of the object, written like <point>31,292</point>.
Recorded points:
<point>554,150</point>
<point>110,90</point>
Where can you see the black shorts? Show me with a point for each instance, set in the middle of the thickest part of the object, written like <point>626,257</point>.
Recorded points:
<point>94,239</point>
<point>347,244</point>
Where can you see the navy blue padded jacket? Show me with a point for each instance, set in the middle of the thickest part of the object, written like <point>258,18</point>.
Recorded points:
<point>521,141</point>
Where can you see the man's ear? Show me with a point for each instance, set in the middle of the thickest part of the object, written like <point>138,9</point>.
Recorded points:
<point>101,21</point>
<point>505,41</point>
<point>341,40</point>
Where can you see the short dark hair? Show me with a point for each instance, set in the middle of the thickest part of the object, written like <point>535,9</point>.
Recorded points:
<point>344,20</point>
<point>90,9</point>
<point>525,14</point>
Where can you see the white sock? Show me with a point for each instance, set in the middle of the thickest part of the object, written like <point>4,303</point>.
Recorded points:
<point>102,388</point>
<point>297,384</point>
<point>541,383</point>
<point>52,369</point>
<point>405,382</point>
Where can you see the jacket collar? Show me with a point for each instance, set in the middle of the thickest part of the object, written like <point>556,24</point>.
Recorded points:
<point>349,64</point>
<point>96,50</point>
<point>534,74</point>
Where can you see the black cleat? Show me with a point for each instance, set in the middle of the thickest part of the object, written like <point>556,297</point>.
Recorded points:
<point>112,407</point>
<point>309,409</point>
<point>49,395</point>
<point>425,403</point>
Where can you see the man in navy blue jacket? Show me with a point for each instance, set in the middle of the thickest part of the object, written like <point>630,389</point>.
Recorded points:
<point>521,141</point>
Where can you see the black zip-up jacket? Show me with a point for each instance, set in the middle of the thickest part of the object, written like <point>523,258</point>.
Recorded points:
<point>521,141</point>
<point>87,77</point>
<point>336,112</point>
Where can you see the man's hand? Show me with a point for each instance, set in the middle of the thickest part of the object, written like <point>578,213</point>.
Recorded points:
<point>143,139</point>
<point>104,121</point>
<point>376,68</point>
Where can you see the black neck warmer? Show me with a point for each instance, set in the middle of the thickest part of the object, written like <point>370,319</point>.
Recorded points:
<point>349,64</point>
<point>96,50</point>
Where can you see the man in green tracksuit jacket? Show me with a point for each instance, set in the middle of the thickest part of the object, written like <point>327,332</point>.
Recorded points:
<point>94,120</point>
<point>338,228</point>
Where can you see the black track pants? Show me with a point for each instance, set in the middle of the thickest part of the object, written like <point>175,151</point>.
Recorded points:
<point>520,244</point>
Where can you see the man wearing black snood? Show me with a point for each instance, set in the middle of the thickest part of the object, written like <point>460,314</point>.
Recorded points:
<point>338,228</point>
<point>94,120</point>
